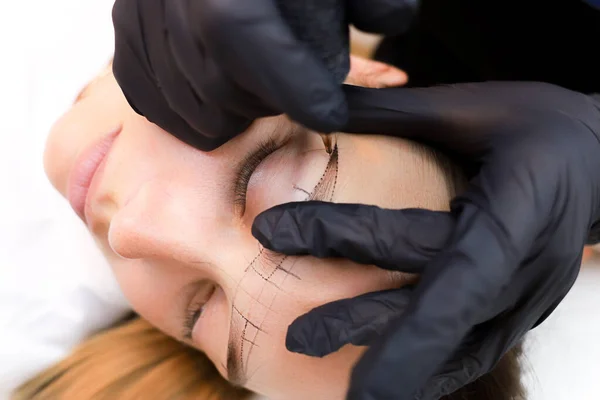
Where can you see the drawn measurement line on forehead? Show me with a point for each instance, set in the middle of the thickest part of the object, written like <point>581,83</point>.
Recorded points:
<point>252,342</point>
<point>258,259</point>
<point>323,186</point>
<point>248,320</point>
<point>302,190</point>
<point>325,189</point>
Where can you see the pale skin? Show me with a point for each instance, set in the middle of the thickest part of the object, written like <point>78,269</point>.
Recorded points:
<point>166,217</point>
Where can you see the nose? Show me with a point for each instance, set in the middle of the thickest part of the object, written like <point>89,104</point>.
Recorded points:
<point>157,223</point>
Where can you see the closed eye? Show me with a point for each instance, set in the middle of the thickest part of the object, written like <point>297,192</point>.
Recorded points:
<point>195,308</point>
<point>247,167</point>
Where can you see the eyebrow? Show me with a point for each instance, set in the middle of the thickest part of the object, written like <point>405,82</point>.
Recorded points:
<point>235,374</point>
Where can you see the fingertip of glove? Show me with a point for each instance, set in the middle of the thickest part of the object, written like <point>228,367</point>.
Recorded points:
<point>300,337</point>
<point>262,229</point>
<point>265,224</point>
<point>297,343</point>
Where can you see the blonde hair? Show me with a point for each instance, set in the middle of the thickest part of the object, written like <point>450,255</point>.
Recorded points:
<point>129,362</point>
<point>136,361</point>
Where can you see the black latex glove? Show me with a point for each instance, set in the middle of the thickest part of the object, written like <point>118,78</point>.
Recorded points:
<point>532,203</point>
<point>203,70</point>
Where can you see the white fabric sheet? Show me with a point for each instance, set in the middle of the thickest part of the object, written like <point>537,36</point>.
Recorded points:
<point>55,287</point>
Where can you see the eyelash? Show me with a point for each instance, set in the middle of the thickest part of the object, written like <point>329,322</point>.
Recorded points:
<point>247,168</point>
<point>192,314</point>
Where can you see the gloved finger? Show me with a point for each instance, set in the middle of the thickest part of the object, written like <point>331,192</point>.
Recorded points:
<point>358,321</point>
<point>132,69</point>
<point>400,240</point>
<point>260,52</point>
<point>202,73</point>
<point>387,17</point>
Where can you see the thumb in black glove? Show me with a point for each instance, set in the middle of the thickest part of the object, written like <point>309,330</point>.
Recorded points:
<point>533,202</point>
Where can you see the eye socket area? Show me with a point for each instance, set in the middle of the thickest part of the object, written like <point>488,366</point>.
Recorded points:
<point>287,175</point>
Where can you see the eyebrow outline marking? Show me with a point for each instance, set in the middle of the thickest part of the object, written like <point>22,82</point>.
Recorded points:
<point>301,190</point>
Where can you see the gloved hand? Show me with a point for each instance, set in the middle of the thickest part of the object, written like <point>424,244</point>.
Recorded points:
<point>532,153</point>
<point>203,70</point>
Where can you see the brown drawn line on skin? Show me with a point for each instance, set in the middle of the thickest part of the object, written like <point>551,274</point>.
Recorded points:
<point>238,288</point>
<point>242,347</point>
<point>278,266</point>
<point>337,170</point>
<point>320,191</point>
<point>269,310</point>
<point>302,190</point>
<point>245,339</point>
<point>254,259</point>
<point>248,320</point>
<point>268,278</point>
<point>287,271</point>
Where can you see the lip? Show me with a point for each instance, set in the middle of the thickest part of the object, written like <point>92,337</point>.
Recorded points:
<point>85,168</point>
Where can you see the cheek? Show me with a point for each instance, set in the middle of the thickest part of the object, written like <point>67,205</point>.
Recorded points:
<point>138,287</point>
<point>152,291</point>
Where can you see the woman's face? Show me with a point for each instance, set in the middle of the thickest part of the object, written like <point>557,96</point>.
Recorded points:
<point>174,223</point>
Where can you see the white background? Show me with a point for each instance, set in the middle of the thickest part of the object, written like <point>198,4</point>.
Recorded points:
<point>55,288</point>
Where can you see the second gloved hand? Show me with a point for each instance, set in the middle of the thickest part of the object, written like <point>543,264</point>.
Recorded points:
<point>203,70</point>
<point>532,155</point>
